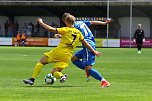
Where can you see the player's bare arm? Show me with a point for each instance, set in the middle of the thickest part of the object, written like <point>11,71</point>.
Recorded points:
<point>90,48</point>
<point>57,35</point>
<point>47,27</point>
<point>100,22</point>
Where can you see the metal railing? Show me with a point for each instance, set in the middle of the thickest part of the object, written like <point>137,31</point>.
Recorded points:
<point>109,0</point>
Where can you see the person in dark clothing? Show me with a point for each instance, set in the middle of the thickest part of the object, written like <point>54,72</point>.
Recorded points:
<point>139,38</point>
<point>6,28</point>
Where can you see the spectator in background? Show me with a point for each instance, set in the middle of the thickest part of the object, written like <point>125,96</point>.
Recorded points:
<point>139,37</point>
<point>24,28</point>
<point>29,29</point>
<point>37,28</point>
<point>23,38</point>
<point>32,31</point>
<point>6,28</point>
<point>16,27</point>
<point>10,28</point>
<point>18,38</point>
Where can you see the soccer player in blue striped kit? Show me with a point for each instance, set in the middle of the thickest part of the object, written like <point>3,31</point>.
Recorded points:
<point>88,58</point>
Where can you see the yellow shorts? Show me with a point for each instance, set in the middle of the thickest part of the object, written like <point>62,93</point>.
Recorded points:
<point>60,58</point>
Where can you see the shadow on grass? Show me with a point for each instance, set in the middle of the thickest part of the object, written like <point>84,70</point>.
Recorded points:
<point>54,86</point>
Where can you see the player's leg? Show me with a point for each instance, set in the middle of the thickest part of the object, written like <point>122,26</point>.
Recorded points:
<point>56,71</point>
<point>23,41</point>
<point>76,60</point>
<point>138,46</point>
<point>61,61</point>
<point>58,74</point>
<point>80,64</point>
<point>88,67</point>
<point>18,42</point>
<point>47,58</point>
<point>141,43</point>
<point>37,70</point>
<point>39,65</point>
<point>94,73</point>
<point>88,60</point>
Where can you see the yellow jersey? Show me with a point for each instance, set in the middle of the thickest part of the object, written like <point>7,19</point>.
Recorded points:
<point>61,55</point>
<point>70,38</point>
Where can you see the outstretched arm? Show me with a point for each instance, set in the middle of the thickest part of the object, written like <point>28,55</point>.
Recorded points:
<point>100,22</point>
<point>90,48</point>
<point>47,27</point>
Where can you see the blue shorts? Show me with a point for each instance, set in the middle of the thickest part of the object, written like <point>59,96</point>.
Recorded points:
<point>88,58</point>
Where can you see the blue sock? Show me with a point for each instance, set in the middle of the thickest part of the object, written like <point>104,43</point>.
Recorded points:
<point>95,74</point>
<point>79,64</point>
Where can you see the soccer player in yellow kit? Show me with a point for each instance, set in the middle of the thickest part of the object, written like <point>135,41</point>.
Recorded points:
<point>61,55</point>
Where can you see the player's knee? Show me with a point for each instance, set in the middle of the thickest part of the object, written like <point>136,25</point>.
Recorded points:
<point>87,68</point>
<point>74,58</point>
<point>43,60</point>
<point>55,70</point>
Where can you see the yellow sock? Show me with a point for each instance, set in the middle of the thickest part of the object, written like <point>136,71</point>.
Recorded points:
<point>37,69</point>
<point>58,74</point>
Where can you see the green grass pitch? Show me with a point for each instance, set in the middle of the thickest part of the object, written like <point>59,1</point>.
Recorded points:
<point>130,76</point>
